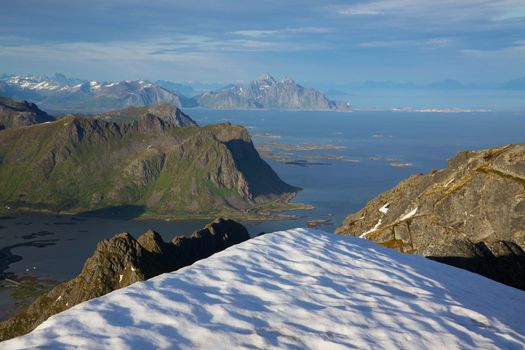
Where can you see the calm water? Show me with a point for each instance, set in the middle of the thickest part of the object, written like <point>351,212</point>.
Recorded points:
<point>426,140</point>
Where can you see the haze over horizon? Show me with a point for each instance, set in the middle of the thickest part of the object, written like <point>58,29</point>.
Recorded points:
<point>231,41</point>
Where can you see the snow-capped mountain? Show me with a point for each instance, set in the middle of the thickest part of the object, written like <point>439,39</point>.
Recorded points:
<point>268,93</point>
<point>63,94</point>
<point>297,289</point>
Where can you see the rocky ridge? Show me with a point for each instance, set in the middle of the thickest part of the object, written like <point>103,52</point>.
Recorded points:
<point>122,260</point>
<point>470,215</point>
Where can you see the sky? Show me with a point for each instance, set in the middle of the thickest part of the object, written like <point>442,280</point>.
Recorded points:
<point>316,42</point>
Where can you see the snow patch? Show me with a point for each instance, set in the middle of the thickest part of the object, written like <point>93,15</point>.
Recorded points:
<point>298,289</point>
<point>384,208</point>
<point>409,215</point>
<point>379,222</point>
<point>120,278</point>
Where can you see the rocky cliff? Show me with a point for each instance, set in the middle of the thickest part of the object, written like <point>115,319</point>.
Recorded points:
<point>268,93</point>
<point>16,114</point>
<point>149,167</point>
<point>471,215</point>
<point>122,260</point>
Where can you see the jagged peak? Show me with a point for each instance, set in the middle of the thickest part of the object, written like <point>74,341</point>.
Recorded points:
<point>266,77</point>
<point>151,241</point>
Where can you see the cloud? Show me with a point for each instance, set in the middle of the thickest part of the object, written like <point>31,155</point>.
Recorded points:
<point>436,10</point>
<point>284,31</point>
<point>434,43</point>
<point>517,50</point>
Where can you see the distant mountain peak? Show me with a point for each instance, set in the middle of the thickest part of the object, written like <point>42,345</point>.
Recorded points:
<point>267,93</point>
<point>266,77</point>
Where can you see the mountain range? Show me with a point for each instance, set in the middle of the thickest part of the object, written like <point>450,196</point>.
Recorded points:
<point>64,95</point>
<point>60,94</point>
<point>152,161</point>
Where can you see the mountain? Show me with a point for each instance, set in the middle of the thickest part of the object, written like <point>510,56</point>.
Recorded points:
<point>297,289</point>
<point>166,112</point>
<point>177,88</point>
<point>16,114</point>
<point>63,94</point>
<point>149,167</point>
<point>268,93</point>
<point>120,261</point>
<point>470,215</point>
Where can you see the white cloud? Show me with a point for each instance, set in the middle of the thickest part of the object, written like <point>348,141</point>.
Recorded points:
<point>283,31</point>
<point>437,10</point>
<point>517,50</point>
<point>435,43</point>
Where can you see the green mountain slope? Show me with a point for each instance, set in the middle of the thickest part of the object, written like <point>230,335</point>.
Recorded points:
<point>149,168</point>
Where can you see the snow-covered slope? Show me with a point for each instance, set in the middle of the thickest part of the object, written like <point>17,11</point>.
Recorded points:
<point>297,289</point>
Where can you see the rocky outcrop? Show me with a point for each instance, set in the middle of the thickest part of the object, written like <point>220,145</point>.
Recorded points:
<point>120,261</point>
<point>268,93</point>
<point>15,114</point>
<point>471,215</point>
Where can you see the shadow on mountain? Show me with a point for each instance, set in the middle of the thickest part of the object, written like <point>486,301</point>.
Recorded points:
<point>261,177</point>
<point>507,269</point>
<point>126,212</point>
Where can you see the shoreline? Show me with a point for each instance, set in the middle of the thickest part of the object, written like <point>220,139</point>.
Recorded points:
<point>275,214</point>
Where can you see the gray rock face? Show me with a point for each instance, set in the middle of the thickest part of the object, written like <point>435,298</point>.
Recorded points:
<point>120,261</point>
<point>15,114</point>
<point>471,215</point>
<point>268,93</point>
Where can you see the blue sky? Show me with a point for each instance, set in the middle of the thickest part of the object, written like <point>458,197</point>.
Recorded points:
<point>315,42</point>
